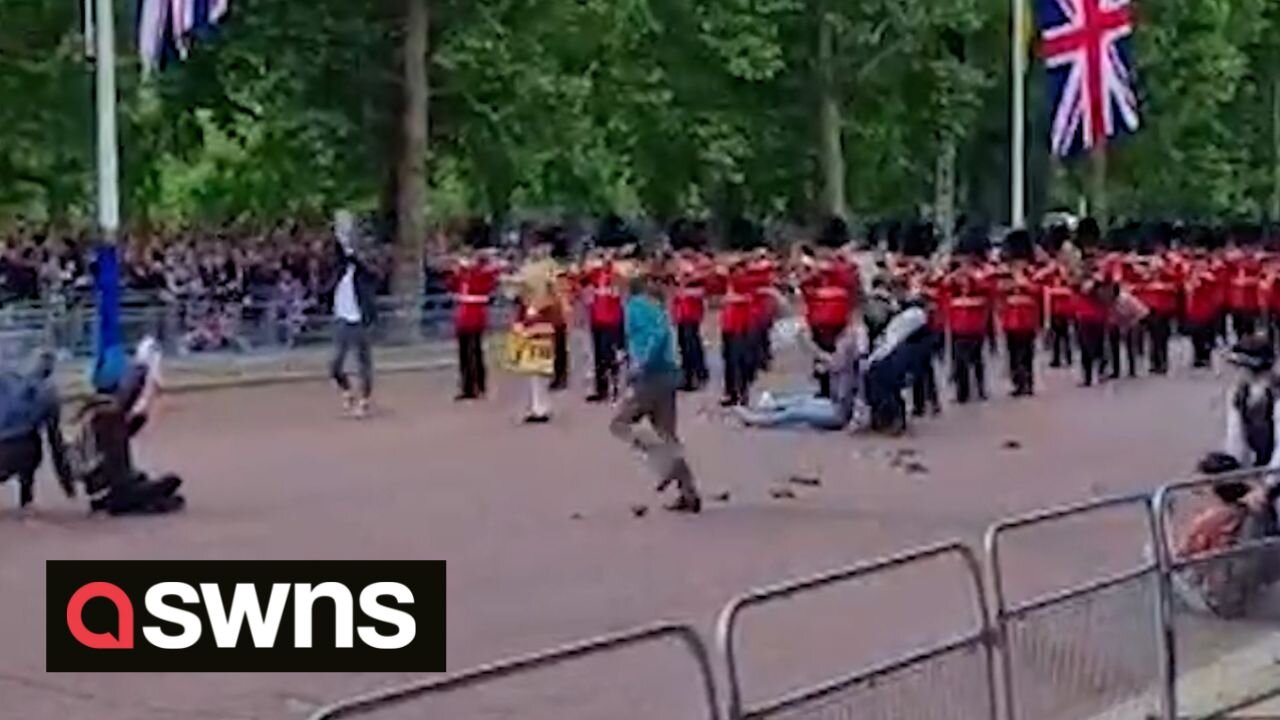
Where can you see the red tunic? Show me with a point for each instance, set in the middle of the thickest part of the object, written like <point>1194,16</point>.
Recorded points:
<point>1204,297</point>
<point>968,304</point>
<point>471,287</point>
<point>1019,305</point>
<point>735,311</point>
<point>827,295</point>
<point>688,299</point>
<point>606,301</point>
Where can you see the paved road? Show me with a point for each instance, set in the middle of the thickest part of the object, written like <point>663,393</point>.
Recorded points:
<point>542,545</point>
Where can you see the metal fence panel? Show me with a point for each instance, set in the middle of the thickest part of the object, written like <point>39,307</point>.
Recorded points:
<point>430,699</point>
<point>1087,650</point>
<point>1224,610</point>
<point>953,679</point>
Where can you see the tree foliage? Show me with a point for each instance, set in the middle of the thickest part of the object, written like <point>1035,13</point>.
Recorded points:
<point>635,106</point>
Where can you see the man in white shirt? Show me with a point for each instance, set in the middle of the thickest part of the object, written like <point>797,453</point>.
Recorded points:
<point>353,315</point>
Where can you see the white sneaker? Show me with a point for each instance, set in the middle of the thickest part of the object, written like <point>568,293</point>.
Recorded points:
<point>362,408</point>
<point>348,402</point>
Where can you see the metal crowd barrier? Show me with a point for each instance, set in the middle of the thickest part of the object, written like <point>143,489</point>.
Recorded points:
<point>1203,642</point>
<point>965,664</point>
<point>1119,645</point>
<point>1078,651</point>
<point>686,636</point>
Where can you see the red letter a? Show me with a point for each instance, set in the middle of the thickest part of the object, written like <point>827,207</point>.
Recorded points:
<point>123,639</point>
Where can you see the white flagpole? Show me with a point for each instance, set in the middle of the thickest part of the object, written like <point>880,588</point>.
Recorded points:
<point>108,281</point>
<point>1018,120</point>
<point>108,150</point>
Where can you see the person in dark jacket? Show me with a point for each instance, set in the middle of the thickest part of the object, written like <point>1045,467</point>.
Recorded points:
<point>353,288</point>
<point>29,406</point>
<point>102,460</point>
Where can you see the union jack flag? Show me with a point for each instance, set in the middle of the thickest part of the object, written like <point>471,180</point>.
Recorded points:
<point>1085,45</point>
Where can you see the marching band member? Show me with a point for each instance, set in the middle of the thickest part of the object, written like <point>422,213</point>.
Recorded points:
<point>735,327</point>
<point>540,309</point>
<point>1158,290</point>
<point>472,280</point>
<point>688,307</point>
<point>604,299</point>
<point>828,284</point>
<point>968,309</point>
<point>1019,310</point>
<point>1203,306</point>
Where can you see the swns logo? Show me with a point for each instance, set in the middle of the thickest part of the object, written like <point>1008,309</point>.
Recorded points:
<point>251,616</point>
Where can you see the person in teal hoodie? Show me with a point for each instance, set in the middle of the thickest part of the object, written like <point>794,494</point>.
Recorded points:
<point>654,377</point>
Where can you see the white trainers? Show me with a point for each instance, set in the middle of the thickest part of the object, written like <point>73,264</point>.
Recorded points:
<point>348,402</point>
<point>362,408</point>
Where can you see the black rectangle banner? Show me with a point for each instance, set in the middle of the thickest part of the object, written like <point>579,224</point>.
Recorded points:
<point>244,616</point>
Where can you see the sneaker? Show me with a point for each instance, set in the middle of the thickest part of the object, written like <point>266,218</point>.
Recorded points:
<point>362,408</point>
<point>532,419</point>
<point>595,398</point>
<point>348,402</point>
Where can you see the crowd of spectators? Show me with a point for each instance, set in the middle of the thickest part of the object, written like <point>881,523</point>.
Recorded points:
<point>221,288</point>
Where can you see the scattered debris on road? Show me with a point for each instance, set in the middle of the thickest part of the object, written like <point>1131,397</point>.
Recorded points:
<point>639,510</point>
<point>806,480</point>
<point>781,493</point>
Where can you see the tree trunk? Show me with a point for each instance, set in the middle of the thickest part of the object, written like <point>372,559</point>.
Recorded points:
<point>830,146</point>
<point>407,282</point>
<point>944,202</point>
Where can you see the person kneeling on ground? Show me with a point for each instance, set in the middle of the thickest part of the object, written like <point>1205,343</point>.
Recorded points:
<point>899,354</point>
<point>29,405</point>
<point>843,366</point>
<point>101,459</point>
<point>1225,586</point>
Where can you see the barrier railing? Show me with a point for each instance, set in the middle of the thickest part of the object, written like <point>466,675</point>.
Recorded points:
<point>964,665</point>
<point>1219,605</point>
<point>686,636</point>
<point>208,326</point>
<point>1067,652</point>
<point>1123,644</point>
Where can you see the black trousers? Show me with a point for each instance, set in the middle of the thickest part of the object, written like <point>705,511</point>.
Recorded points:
<point>560,358</point>
<point>1202,338</point>
<point>471,362</point>
<point>1021,347</point>
<point>825,337</point>
<point>1158,330</point>
<point>21,457</point>
<point>968,366</point>
<point>693,356</point>
<point>1116,339</point>
<point>1244,323</point>
<point>735,348</point>
<point>924,383</point>
<point>606,343</point>
<point>1060,339</point>
<point>1092,338</point>
<point>142,496</point>
<point>761,351</point>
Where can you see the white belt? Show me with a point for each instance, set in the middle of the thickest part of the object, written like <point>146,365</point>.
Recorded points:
<point>690,292</point>
<point>472,298</point>
<point>736,297</point>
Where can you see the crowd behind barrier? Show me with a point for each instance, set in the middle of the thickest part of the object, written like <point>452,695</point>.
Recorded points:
<point>1120,645</point>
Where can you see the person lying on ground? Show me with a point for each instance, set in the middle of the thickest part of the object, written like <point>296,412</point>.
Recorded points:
<point>844,365</point>
<point>29,406</point>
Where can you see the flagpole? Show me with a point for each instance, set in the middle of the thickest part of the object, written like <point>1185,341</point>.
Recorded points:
<point>1018,153</point>
<point>108,280</point>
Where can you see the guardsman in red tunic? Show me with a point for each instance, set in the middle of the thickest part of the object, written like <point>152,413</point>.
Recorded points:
<point>1157,288</point>
<point>735,328</point>
<point>1203,307</point>
<point>827,284</point>
<point>1269,298</point>
<point>472,280</point>
<point>1244,272</point>
<point>1019,313</point>
<point>688,307</point>
<point>1091,314</point>
<point>763,273</point>
<point>968,313</point>
<point>604,301</point>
